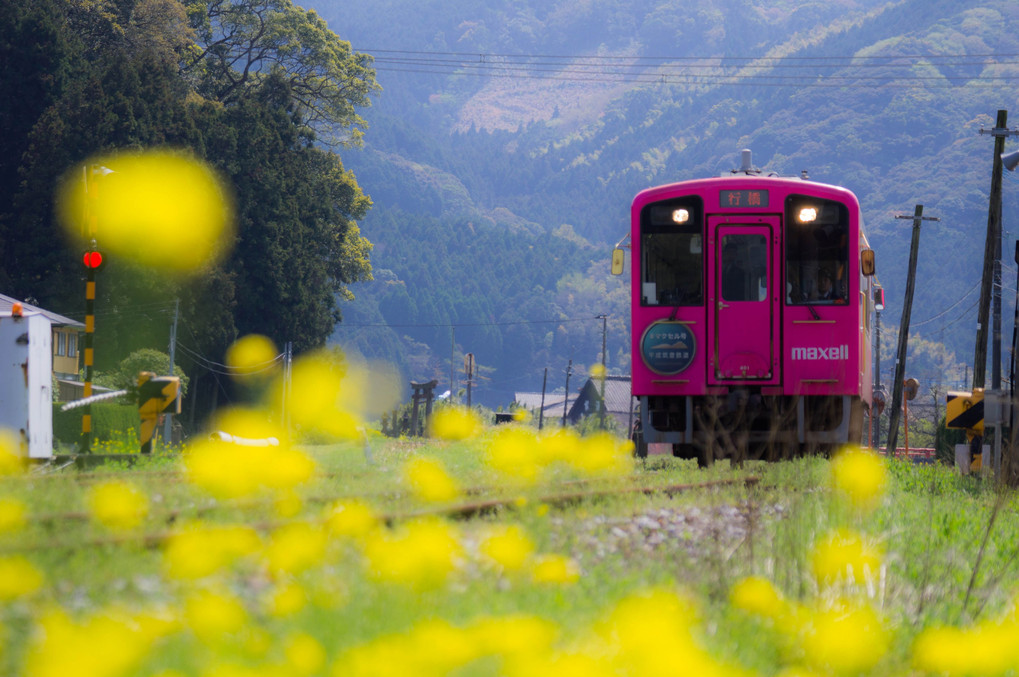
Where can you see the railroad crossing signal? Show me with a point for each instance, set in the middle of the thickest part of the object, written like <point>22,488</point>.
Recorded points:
<point>156,395</point>
<point>965,409</point>
<point>92,259</point>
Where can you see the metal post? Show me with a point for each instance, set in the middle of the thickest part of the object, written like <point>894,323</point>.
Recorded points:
<point>566,400</point>
<point>604,325</point>
<point>168,425</point>
<point>541,412</point>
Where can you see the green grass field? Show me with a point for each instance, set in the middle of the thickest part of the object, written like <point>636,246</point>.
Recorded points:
<point>503,553</point>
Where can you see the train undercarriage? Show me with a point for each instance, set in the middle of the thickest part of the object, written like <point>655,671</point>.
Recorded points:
<point>746,425</point>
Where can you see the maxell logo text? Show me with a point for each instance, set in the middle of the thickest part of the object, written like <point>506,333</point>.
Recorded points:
<point>818,353</point>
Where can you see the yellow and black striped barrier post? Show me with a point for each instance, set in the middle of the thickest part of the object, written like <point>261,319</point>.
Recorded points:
<point>156,395</point>
<point>965,410</point>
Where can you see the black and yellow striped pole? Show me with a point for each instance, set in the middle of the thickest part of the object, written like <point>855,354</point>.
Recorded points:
<point>92,260</point>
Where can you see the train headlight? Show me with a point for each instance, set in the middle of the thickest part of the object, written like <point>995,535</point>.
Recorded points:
<point>680,215</point>
<point>808,214</point>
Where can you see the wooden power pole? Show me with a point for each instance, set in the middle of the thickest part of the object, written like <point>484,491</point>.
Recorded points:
<point>907,306</point>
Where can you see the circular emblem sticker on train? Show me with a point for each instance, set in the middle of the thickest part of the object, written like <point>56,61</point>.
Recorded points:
<point>668,347</point>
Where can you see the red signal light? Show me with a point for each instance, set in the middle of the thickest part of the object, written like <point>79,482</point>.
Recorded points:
<point>93,260</point>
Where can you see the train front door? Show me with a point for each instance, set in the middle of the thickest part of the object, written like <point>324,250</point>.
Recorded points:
<point>742,298</point>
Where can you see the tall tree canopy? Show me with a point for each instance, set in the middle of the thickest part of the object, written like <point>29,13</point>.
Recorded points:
<point>250,86</point>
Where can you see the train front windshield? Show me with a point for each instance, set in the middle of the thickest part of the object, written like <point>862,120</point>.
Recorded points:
<point>817,251</point>
<point>672,254</point>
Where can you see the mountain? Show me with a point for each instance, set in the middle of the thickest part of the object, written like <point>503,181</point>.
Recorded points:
<point>510,138</point>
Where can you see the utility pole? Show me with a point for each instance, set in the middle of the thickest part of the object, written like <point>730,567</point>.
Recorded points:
<point>168,425</point>
<point>990,283</point>
<point>566,400</point>
<point>604,324</point>
<point>907,306</point>
<point>541,412</point>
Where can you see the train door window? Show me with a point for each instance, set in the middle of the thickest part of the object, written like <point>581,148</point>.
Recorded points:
<point>744,275</point>
<point>817,251</point>
<point>672,253</point>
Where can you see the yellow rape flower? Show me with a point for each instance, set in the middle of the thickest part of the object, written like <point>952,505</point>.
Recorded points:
<point>18,578</point>
<point>429,480</point>
<point>758,596</point>
<point>251,357</point>
<point>285,599</point>
<point>602,454</point>
<point>423,553</point>
<point>509,547</point>
<point>13,515</point>
<point>515,452</point>
<point>228,470</point>
<point>350,518</point>
<point>159,208</point>
<point>118,505</point>
<point>454,423</point>
<point>213,614</point>
<point>295,547</point>
<point>860,476</point>
<point>304,653</point>
<point>555,569</point>
<point>106,644</point>
<point>199,550</point>
<point>845,639</point>
<point>13,459</point>
<point>844,556</point>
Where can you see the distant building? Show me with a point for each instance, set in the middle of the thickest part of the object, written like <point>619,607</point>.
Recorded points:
<point>65,347</point>
<point>585,402</point>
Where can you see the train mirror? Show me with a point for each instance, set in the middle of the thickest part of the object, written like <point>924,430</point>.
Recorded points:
<point>867,266</point>
<point>618,257</point>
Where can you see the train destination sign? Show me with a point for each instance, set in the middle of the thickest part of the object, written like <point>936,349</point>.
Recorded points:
<point>742,198</point>
<point>668,347</point>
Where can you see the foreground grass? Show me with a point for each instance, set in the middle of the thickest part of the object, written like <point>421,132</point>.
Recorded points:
<point>355,566</point>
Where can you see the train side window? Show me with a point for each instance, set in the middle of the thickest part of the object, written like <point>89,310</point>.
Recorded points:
<point>816,251</point>
<point>672,253</point>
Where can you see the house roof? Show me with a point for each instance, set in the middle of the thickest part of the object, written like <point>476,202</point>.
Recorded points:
<point>58,320</point>
<point>617,396</point>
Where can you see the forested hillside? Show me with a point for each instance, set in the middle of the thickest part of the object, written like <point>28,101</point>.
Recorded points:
<point>538,120</point>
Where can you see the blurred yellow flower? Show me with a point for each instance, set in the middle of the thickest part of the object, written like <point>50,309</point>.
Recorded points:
<point>844,556</point>
<point>13,458</point>
<point>515,452</point>
<point>602,454</point>
<point>559,446</point>
<point>198,550</point>
<point>13,515</point>
<point>213,614</point>
<point>422,553</point>
<point>304,653</point>
<point>860,476</point>
<point>507,546</point>
<point>252,357</point>
<point>350,518</point>
<point>106,644</point>
<point>18,578</point>
<point>228,470</point>
<point>285,599</point>
<point>513,635</point>
<point>521,415</point>
<point>429,480</point>
<point>758,596</point>
<point>295,547</point>
<point>117,505</point>
<point>454,423</point>
<point>596,371</point>
<point>845,639</point>
<point>555,569</point>
<point>323,396</point>
<point>160,208</point>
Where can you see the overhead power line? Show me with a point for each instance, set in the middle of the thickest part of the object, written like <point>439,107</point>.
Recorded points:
<point>993,69</point>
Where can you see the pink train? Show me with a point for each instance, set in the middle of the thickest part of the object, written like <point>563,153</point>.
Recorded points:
<point>752,304</point>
